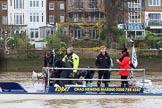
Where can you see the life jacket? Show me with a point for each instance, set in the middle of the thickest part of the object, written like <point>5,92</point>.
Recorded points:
<point>72,59</point>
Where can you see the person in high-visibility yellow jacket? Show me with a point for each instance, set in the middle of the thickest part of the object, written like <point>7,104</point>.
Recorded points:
<point>71,58</point>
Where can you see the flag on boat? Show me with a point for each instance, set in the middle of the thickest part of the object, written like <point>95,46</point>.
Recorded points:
<point>134,57</point>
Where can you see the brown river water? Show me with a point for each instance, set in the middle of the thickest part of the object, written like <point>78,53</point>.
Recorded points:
<point>109,101</point>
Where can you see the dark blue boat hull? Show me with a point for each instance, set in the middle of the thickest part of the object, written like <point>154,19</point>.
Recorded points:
<point>12,87</point>
<point>16,88</point>
<point>93,90</point>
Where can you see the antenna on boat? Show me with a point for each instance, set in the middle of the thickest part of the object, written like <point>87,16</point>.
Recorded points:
<point>54,54</point>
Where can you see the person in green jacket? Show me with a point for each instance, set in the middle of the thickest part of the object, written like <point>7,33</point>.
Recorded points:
<point>71,60</point>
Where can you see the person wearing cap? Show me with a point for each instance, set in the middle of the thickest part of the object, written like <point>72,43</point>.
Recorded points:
<point>103,61</point>
<point>124,63</point>
<point>71,60</point>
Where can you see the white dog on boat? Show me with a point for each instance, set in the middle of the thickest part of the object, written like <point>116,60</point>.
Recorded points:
<point>38,75</point>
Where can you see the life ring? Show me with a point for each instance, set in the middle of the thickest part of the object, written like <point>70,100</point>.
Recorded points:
<point>6,52</point>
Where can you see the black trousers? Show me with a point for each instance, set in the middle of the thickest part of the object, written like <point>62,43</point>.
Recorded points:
<point>103,75</point>
<point>124,83</point>
<point>65,74</point>
<point>90,75</point>
<point>55,74</point>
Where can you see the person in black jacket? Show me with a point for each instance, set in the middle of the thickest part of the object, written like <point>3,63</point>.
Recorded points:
<point>50,60</point>
<point>103,61</point>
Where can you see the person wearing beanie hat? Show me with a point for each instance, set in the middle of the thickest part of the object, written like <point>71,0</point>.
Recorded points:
<point>124,50</point>
<point>124,63</point>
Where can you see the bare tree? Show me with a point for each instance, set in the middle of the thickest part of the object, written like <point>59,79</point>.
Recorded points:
<point>115,12</point>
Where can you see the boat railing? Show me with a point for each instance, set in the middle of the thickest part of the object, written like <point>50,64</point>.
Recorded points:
<point>96,69</point>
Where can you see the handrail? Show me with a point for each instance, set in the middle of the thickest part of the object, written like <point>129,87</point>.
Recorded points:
<point>64,79</point>
<point>70,79</point>
<point>92,69</point>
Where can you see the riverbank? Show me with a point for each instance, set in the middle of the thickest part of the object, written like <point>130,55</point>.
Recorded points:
<point>85,53</point>
<point>28,60</point>
<point>151,64</point>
